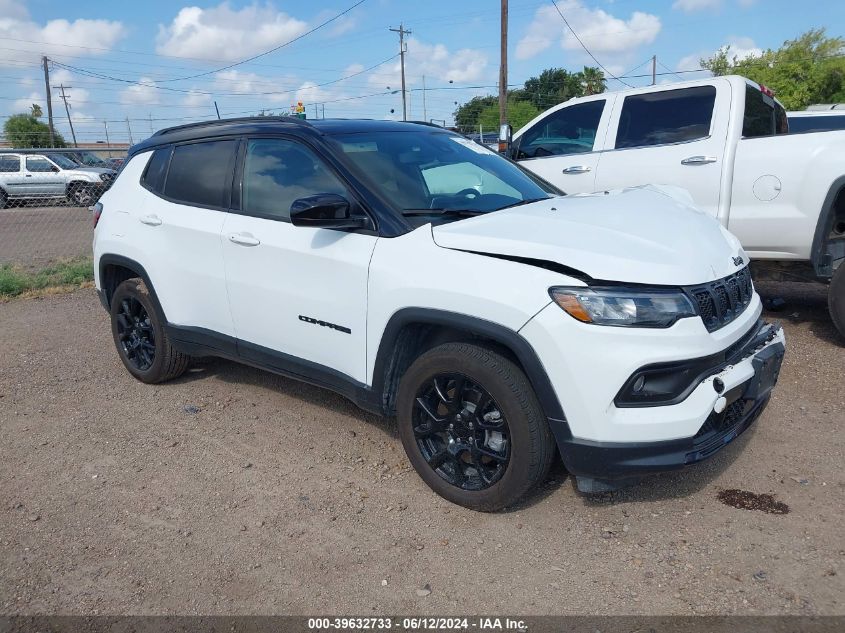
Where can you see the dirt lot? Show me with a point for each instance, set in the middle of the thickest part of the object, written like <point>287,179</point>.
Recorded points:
<point>35,236</point>
<point>276,497</point>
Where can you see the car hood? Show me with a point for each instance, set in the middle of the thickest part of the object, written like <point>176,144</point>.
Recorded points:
<point>645,235</point>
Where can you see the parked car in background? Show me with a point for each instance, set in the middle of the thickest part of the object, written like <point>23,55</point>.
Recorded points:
<point>424,276</point>
<point>816,121</point>
<point>32,176</point>
<point>89,159</point>
<point>725,140</point>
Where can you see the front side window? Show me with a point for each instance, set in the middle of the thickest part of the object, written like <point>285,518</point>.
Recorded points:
<point>277,172</point>
<point>63,161</point>
<point>201,173</point>
<point>570,130</point>
<point>37,164</point>
<point>10,164</point>
<point>429,172</point>
<point>671,116</point>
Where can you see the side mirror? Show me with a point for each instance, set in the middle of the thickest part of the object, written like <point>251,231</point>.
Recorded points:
<point>505,135</point>
<point>53,168</point>
<point>325,210</point>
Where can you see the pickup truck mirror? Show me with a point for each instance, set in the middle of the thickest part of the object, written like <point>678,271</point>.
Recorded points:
<point>324,210</point>
<point>53,168</point>
<point>505,135</point>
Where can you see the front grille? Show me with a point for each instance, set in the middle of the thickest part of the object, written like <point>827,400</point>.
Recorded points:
<point>720,302</point>
<point>721,422</point>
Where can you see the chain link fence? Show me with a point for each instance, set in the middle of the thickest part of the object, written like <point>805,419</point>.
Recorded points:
<point>45,195</point>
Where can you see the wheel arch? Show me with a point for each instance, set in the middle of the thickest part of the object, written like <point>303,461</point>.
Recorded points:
<point>115,269</point>
<point>830,231</point>
<point>412,331</point>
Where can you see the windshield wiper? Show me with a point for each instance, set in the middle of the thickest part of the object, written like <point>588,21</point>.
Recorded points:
<point>466,212</point>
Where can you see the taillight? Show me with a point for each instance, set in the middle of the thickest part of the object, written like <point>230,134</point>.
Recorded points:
<point>96,211</point>
<point>766,91</point>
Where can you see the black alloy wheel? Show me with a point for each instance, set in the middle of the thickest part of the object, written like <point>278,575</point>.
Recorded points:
<point>136,334</point>
<point>461,432</point>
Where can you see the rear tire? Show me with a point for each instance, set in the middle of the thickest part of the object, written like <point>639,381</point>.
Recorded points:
<point>484,450</point>
<point>140,337</point>
<point>836,299</point>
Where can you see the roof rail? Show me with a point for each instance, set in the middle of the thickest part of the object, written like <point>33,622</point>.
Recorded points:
<point>428,123</point>
<point>246,119</point>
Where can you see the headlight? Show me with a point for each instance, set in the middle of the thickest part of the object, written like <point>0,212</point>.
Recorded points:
<point>624,307</point>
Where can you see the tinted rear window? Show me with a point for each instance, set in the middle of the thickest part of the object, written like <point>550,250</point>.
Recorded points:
<point>201,173</point>
<point>672,116</point>
<point>817,123</point>
<point>10,164</point>
<point>153,177</point>
<point>763,115</point>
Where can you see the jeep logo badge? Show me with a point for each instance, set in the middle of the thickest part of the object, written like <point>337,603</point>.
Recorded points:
<point>738,260</point>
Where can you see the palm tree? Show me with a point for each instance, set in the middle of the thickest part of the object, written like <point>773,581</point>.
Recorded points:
<point>35,111</point>
<point>594,81</point>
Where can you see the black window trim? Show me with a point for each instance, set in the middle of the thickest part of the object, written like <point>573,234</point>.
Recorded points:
<point>357,205</point>
<point>185,203</point>
<point>143,179</point>
<point>706,137</point>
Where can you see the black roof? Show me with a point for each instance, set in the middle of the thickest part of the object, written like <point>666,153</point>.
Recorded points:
<point>258,125</point>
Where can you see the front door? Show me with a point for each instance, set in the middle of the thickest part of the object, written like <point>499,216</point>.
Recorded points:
<point>298,295</point>
<point>562,147</point>
<point>42,178</point>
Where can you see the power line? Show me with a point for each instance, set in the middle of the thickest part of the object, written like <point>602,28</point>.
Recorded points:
<point>587,49</point>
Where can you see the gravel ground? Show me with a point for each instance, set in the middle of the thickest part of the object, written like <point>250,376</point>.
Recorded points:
<point>36,236</point>
<point>233,491</point>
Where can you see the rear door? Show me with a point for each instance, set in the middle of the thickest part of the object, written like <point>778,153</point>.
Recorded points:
<point>42,178</point>
<point>188,188</point>
<point>298,295</point>
<point>669,136</point>
<point>11,175</point>
<point>563,146</point>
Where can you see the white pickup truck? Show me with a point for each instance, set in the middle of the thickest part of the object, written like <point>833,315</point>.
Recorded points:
<point>725,140</point>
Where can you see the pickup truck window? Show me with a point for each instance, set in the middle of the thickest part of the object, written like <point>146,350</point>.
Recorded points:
<point>37,165</point>
<point>10,164</point>
<point>763,115</point>
<point>671,116</point>
<point>570,130</point>
<point>801,124</point>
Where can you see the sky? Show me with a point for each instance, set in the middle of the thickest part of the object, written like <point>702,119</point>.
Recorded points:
<point>159,63</point>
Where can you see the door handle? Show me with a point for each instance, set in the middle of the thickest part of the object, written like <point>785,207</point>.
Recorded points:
<point>244,239</point>
<point>151,220</point>
<point>577,169</point>
<point>698,160</point>
<point>27,175</point>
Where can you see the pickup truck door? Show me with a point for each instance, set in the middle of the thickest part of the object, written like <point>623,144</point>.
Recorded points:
<point>562,146</point>
<point>669,136</point>
<point>42,178</point>
<point>298,295</point>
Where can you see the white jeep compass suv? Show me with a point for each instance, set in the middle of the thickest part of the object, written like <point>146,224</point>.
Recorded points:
<point>422,275</point>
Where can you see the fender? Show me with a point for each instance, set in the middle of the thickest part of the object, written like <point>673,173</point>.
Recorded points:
<point>505,336</point>
<point>109,259</point>
<point>820,260</point>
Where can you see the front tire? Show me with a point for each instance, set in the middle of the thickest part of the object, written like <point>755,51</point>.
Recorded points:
<point>81,195</point>
<point>472,427</point>
<point>836,299</point>
<point>140,337</point>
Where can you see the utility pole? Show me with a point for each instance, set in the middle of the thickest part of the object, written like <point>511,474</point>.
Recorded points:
<point>217,110</point>
<point>503,67</point>
<point>324,111</point>
<point>653,69</point>
<point>67,110</point>
<point>44,61</point>
<point>316,114</point>
<point>402,33</point>
<point>108,143</point>
<point>129,128</point>
<point>151,124</point>
<point>425,112</point>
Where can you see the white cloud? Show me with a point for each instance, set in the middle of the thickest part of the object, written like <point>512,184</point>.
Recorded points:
<point>600,31</point>
<point>23,105</point>
<point>690,6</point>
<point>223,33</point>
<point>271,89</point>
<point>143,93</point>
<point>739,47</point>
<point>195,99</point>
<point>53,37</point>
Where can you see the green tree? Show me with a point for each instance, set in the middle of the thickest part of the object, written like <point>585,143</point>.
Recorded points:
<point>519,113</point>
<point>809,69</point>
<point>36,111</point>
<point>24,130</point>
<point>466,115</point>
<point>592,80</point>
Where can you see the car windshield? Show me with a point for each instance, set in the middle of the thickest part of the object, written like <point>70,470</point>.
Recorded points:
<point>432,172</point>
<point>91,159</point>
<point>63,161</point>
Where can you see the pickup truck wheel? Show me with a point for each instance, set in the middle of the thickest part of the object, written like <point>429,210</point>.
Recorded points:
<point>472,426</point>
<point>836,299</point>
<point>4,199</point>
<point>80,194</point>
<point>140,337</point>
